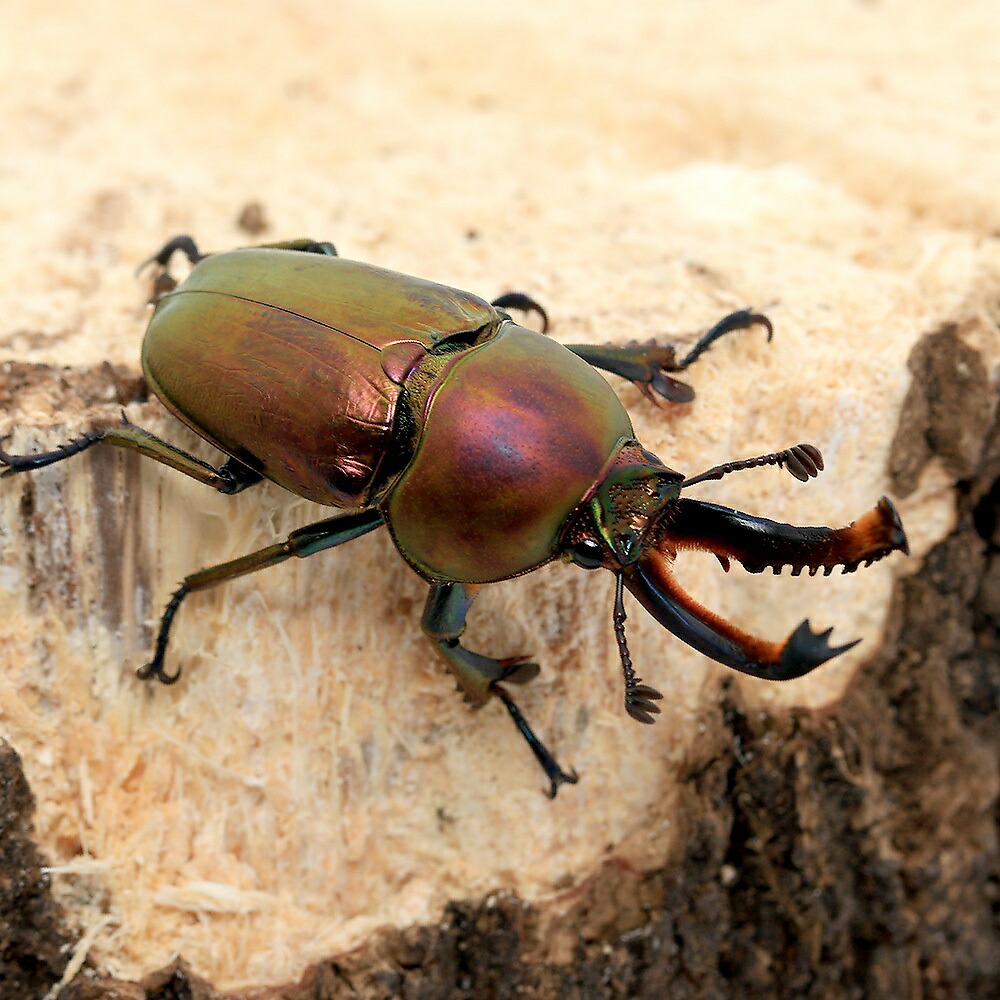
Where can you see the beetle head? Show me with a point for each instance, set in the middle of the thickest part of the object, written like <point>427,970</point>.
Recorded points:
<point>627,502</point>
<point>636,522</point>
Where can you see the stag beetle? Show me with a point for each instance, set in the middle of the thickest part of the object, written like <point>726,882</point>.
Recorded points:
<point>486,449</point>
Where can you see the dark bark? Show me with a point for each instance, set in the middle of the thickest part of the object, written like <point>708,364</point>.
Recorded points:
<point>33,936</point>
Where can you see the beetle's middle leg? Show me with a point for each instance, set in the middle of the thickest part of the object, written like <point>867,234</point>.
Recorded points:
<point>305,245</point>
<point>523,303</point>
<point>480,676</point>
<point>230,477</point>
<point>302,542</point>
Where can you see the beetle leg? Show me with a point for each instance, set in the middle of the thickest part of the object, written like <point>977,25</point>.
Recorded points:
<point>231,477</point>
<point>479,676</point>
<point>742,319</point>
<point>302,542</point>
<point>556,775</point>
<point>165,283</point>
<point>444,622</point>
<point>646,365</point>
<point>185,244</point>
<point>305,245</point>
<point>523,303</point>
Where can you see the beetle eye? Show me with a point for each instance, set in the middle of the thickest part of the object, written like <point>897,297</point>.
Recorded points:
<point>587,554</point>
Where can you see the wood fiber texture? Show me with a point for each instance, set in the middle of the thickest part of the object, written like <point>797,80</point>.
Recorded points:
<point>313,812</point>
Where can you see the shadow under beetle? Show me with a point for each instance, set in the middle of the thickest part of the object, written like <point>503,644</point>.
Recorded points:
<point>487,450</point>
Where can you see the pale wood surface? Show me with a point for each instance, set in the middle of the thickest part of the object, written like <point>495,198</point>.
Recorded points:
<point>314,775</point>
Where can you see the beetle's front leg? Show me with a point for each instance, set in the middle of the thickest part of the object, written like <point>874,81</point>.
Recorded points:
<point>523,303</point>
<point>646,365</point>
<point>479,676</point>
<point>444,622</point>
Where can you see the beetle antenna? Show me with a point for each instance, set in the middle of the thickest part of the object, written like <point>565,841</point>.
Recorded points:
<point>804,461</point>
<point>640,699</point>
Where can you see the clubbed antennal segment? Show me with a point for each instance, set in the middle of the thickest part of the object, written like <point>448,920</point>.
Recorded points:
<point>640,699</point>
<point>804,461</point>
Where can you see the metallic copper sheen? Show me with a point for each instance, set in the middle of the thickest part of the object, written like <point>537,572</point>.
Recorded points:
<point>518,431</point>
<point>275,358</point>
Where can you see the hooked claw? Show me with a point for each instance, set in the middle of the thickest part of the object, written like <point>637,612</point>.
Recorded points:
<point>556,775</point>
<point>523,303</point>
<point>184,244</point>
<point>155,669</point>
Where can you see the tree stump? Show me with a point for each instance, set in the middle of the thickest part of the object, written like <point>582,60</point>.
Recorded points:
<point>313,812</point>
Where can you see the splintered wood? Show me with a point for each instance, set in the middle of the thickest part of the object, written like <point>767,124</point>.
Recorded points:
<point>314,775</point>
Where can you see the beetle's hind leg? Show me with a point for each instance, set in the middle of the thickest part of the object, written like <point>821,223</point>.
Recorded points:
<point>231,477</point>
<point>479,676</point>
<point>305,245</point>
<point>302,542</point>
<point>647,365</point>
<point>185,244</point>
<point>164,282</point>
